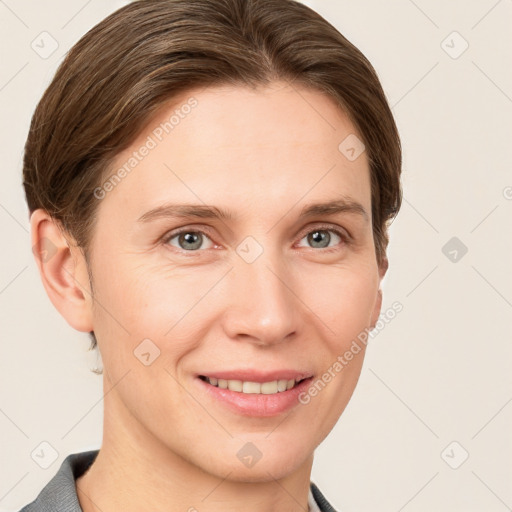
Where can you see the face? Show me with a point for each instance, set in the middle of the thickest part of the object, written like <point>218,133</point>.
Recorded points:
<point>212,257</point>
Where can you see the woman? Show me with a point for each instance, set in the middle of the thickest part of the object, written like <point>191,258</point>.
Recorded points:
<point>210,185</point>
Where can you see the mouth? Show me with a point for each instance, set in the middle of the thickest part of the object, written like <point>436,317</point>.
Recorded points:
<point>259,394</point>
<point>249,387</point>
<point>255,392</point>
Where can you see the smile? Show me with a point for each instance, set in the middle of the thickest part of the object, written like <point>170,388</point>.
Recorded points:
<point>248,387</point>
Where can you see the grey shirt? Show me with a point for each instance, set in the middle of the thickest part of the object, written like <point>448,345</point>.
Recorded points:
<point>59,494</point>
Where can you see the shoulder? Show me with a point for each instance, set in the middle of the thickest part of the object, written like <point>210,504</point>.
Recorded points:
<point>60,492</point>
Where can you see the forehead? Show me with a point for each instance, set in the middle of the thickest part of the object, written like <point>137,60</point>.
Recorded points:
<point>221,143</point>
<point>266,116</point>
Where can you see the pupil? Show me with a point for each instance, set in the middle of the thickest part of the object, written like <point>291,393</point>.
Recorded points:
<point>192,239</point>
<point>318,237</point>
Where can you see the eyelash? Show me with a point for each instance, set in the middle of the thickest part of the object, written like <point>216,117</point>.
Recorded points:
<point>345,237</point>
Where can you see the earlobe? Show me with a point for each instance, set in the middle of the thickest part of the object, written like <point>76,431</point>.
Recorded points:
<point>63,271</point>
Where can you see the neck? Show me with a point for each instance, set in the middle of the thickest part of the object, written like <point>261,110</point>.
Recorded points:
<point>134,471</point>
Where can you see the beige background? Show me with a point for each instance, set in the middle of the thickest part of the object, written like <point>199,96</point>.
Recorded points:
<point>438,373</point>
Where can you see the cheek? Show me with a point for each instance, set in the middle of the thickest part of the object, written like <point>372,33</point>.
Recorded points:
<point>343,299</point>
<point>164,302</point>
<point>159,298</point>
<point>156,302</point>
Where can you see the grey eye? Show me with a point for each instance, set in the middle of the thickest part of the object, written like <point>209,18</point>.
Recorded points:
<point>322,238</point>
<point>188,240</point>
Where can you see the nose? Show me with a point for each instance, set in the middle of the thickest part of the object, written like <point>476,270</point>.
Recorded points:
<point>262,307</point>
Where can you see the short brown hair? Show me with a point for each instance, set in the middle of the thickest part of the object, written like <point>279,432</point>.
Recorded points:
<point>120,72</point>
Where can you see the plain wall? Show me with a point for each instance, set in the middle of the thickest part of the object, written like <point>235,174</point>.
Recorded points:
<point>436,383</point>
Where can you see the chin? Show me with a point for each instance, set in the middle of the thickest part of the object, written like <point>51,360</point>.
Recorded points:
<point>251,464</point>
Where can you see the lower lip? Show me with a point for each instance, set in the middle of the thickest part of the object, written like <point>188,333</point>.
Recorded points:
<point>256,404</point>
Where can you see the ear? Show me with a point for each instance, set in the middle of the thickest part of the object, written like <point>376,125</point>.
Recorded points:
<point>63,270</point>
<point>378,302</point>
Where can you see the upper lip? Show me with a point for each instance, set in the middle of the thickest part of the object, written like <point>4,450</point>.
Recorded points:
<point>249,375</point>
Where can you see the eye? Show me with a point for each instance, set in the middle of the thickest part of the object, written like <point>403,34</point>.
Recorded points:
<point>188,240</point>
<point>321,237</point>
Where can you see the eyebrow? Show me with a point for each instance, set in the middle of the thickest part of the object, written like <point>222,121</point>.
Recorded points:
<point>202,211</point>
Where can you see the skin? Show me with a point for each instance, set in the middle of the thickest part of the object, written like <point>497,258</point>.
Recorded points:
<point>262,154</point>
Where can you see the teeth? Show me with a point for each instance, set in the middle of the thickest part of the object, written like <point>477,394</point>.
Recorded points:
<point>235,385</point>
<point>251,387</point>
<point>265,388</point>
